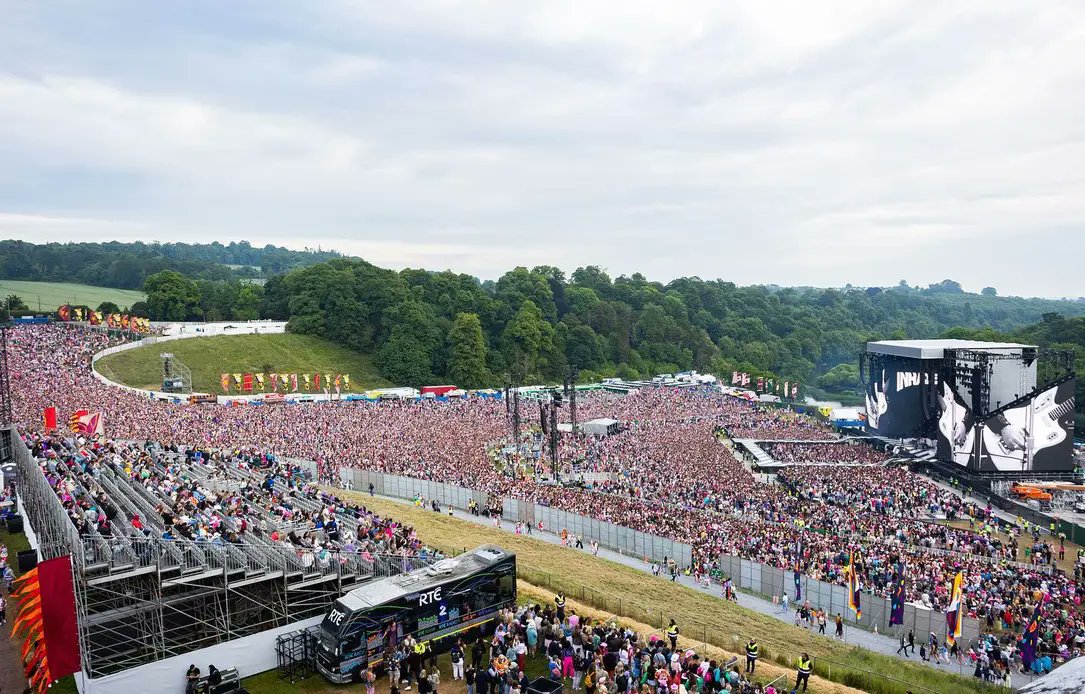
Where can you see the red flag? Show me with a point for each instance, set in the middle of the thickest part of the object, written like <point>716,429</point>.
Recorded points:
<point>247,382</point>
<point>316,380</point>
<point>46,622</point>
<point>49,416</point>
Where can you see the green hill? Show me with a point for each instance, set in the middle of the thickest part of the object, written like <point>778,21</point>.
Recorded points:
<point>210,357</point>
<point>46,296</point>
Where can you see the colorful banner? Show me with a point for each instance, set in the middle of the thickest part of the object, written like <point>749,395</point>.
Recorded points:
<point>760,383</point>
<point>734,378</point>
<point>955,611</point>
<point>1031,640</point>
<point>225,381</point>
<point>260,381</point>
<point>49,418</point>
<point>89,423</point>
<point>795,390</point>
<point>346,381</point>
<point>896,612</point>
<point>316,381</point>
<point>306,381</point>
<point>116,321</point>
<point>294,383</point>
<point>246,382</point>
<point>855,585</point>
<point>45,621</point>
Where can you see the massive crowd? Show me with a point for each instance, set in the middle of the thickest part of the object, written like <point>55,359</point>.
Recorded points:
<point>847,453</point>
<point>665,473</point>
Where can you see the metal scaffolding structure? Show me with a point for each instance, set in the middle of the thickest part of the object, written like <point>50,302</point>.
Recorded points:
<point>142,598</point>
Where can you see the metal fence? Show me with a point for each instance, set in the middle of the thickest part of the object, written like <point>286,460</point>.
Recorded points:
<point>611,536</point>
<point>769,581</point>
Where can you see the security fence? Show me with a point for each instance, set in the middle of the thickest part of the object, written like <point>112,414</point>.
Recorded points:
<point>612,536</point>
<point>769,581</point>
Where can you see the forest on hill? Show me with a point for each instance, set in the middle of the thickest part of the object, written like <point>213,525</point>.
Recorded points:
<point>531,324</point>
<point>128,265</point>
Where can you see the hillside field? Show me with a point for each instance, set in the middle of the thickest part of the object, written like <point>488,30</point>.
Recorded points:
<point>53,294</point>
<point>210,357</point>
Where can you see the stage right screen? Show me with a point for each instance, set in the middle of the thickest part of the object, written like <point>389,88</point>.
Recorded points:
<point>1035,437</point>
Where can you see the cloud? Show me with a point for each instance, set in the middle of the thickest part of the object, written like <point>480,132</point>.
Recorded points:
<point>776,142</point>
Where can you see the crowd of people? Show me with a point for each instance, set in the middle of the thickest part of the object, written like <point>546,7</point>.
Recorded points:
<point>847,453</point>
<point>211,498</point>
<point>665,473</point>
<point>578,653</point>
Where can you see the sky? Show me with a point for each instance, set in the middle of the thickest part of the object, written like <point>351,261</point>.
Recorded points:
<point>790,142</point>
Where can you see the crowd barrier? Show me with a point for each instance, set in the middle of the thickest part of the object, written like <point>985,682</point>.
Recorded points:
<point>760,579</point>
<point>614,537</point>
<point>769,581</point>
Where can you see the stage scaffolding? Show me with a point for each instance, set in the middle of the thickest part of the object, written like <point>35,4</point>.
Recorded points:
<point>143,598</point>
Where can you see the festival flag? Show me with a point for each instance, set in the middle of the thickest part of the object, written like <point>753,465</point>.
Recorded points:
<point>237,381</point>
<point>316,381</point>
<point>745,379</point>
<point>294,383</point>
<point>787,388</point>
<point>44,601</point>
<point>49,417</point>
<point>854,586</point>
<point>734,378</point>
<point>327,382</point>
<point>338,382</point>
<point>64,312</point>
<point>794,390</point>
<point>90,423</point>
<point>246,382</point>
<point>225,381</point>
<point>305,380</point>
<point>896,613</point>
<point>1030,641</point>
<point>777,388</point>
<point>760,383</point>
<point>955,611</point>
<point>74,420</point>
<point>124,322</point>
<point>274,381</point>
<point>346,381</point>
<point>260,380</point>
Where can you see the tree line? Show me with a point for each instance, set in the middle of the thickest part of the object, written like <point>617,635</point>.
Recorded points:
<point>128,265</point>
<point>531,324</point>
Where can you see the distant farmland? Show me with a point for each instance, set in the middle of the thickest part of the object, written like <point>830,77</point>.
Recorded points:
<point>46,296</point>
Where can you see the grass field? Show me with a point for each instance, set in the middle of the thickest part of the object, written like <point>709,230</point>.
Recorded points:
<point>53,294</point>
<point>622,590</point>
<point>210,357</point>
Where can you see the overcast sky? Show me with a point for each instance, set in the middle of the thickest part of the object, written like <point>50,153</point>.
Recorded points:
<point>762,142</point>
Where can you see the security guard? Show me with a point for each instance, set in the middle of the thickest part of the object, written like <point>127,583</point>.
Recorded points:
<point>804,672</point>
<point>559,600</point>
<point>751,655</point>
<point>672,634</point>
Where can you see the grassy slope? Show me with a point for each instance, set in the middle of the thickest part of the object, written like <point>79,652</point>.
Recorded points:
<point>209,357</point>
<point>619,589</point>
<point>53,294</point>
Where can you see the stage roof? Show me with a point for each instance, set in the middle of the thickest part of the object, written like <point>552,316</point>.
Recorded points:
<point>935,349</point>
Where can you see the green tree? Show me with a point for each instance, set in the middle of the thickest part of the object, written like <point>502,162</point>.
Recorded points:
<point>172,297</point>
<point>467,352</point>
<point>107,307</point>
<point>14,302</point>
<point>528,342</point>
<point>404,359</point>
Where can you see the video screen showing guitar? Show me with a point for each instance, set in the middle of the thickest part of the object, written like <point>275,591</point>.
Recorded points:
<point>1036,436</point>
